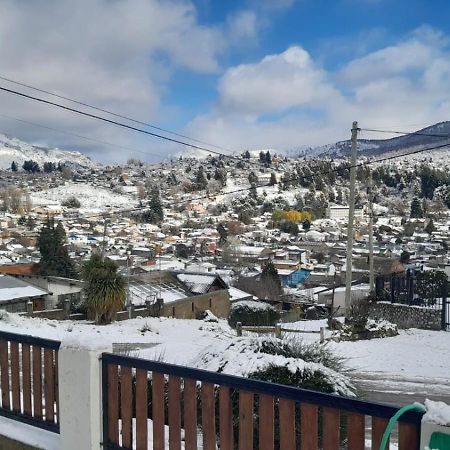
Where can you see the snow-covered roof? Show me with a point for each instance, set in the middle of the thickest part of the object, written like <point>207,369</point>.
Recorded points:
<point>12,289</point>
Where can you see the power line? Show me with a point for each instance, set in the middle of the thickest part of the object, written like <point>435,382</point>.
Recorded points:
<point>419,133</point>
<point>237,191</point>
<point>121,116</point>
<point>120,124</point>
<point>69,133</point>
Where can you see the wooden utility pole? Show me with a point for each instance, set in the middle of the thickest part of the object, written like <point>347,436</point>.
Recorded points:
<point>351,217</point>
<point>105,224</point>
<point>371,268</point>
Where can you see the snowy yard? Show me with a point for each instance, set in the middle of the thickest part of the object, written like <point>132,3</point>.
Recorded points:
<point>414,354</point>
<point>92,198</point>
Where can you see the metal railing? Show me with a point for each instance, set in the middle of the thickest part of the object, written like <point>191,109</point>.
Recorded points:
<point>29,380</point>
<point>154,405</point>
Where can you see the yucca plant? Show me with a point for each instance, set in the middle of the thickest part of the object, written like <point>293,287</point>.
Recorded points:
<point>104,289</point>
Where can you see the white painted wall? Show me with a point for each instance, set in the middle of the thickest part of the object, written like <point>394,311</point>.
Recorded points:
<point>80,396</point>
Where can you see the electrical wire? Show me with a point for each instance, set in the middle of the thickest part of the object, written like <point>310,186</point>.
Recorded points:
<point>121,116</point>
<point>405,133</point>
<point>69,133</point>
<point>123,125</point>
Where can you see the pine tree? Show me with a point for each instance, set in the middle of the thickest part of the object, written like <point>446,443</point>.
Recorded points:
<point>155,213</point>
<point>55,260</point>
<point>273,179</point>
<point>14,167</point>
<point>200,178</point>
<point>252,178</point>
<point>416,208</point>
<point>247,154</point>
<point>270,280</point>
<point>223,234</point>
<point>268,158</point>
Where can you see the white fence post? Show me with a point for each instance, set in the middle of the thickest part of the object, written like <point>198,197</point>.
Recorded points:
<point>80,402</point>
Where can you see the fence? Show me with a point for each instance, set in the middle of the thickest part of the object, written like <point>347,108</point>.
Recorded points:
<point>277,330</point>
<point>222,411</point>
<point>28,380</point>
<point>405,288</point>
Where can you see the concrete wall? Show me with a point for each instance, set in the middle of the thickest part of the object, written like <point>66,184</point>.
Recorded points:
<point>218,302</point>
<point>405,316</point>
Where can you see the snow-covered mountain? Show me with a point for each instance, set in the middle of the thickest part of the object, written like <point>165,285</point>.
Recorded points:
<point>373,147</point>
<point>12,149</point>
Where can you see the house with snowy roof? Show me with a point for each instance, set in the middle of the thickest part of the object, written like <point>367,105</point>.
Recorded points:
<point>16,293</point>
<point>181,294</point>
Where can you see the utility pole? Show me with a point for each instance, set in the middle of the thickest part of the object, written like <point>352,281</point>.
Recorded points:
<point>351,217</point>
<point>371,269</point>
<point>105,224</point>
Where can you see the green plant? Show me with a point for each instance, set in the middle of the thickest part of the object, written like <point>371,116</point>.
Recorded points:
<point>104,289</point>
<point>253,314</point>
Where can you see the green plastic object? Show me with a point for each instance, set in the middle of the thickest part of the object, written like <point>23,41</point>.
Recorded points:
<point>394,419</point>
<point>439,441</point>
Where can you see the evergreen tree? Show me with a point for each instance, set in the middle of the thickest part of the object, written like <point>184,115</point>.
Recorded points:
<point>55,260</point>
<point>273,179</point>
<point>270,280</point>
<point>155,213</point>
<point>306,224</point>
<point>262,156</point>
<point>31,166</point>
<point>49,167</point>
<point>220,175</point>
<point>31,223</point>
<point>253,193</point>
<point>252,178</point>
<point>14,167</point>
<point>416,208</point>
<point>200,178</point>
<point>429,228</point>
<point>247,154</point>
<point>223,234</point>
<point>268,158</point>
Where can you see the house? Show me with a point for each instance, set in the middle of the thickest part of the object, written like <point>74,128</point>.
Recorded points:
<point>341,212</point>
<point>58,289</point>
<point>358,291</point>
<point>16,293</point>
<point>293,278</point>
<point>181,294</point>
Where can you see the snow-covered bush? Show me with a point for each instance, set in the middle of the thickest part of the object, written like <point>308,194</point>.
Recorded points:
<point>253,313</point>
<point>373,329</point>
<point>289,361</point>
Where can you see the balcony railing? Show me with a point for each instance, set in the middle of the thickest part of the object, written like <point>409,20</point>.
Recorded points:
<point>154,405</point>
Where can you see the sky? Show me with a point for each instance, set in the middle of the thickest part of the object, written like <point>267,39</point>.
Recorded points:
<point>239,74</point>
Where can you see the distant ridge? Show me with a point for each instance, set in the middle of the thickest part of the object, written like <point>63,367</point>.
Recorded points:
<point>12,149</point>
<point>375,147</point>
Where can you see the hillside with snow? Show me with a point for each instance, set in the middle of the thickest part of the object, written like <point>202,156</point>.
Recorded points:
<point>13,149</point>
<point>433,135</point>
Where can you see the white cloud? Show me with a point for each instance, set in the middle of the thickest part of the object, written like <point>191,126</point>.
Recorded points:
<point>274,84</point>
<point>114,54</point>
<point>287,100</point>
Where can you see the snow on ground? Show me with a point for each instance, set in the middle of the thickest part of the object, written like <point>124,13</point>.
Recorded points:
<point>92,198</point>
<point>413,354</point>
<point>28,434</point>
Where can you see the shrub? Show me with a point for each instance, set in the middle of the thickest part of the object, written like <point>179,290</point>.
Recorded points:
<point>71,202</point>
<point>253,314</point>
